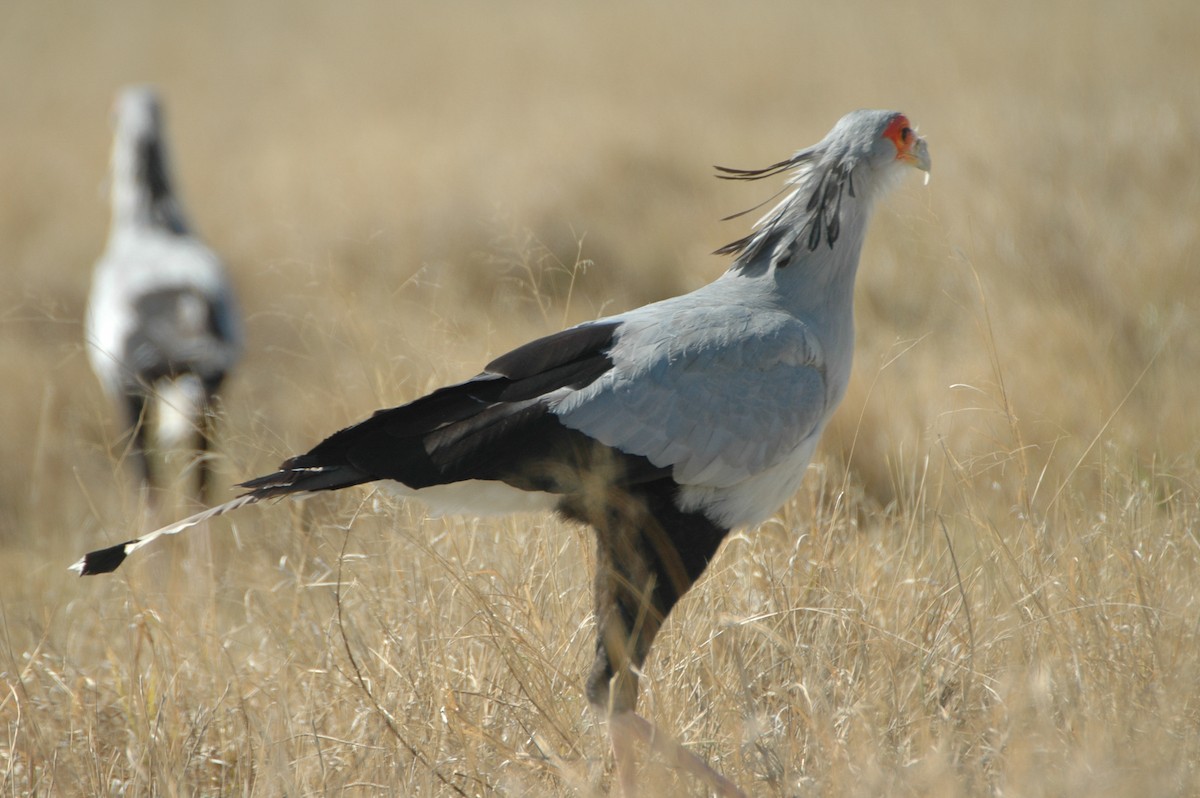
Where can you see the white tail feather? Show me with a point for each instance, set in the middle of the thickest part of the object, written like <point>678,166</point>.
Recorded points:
<point>105,560</point>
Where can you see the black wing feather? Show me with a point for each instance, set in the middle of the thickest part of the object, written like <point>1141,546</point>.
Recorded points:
<point>494,426</point>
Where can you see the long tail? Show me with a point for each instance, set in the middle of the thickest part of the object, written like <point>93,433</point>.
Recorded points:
<point>289,481</point>
<point>103,561</point>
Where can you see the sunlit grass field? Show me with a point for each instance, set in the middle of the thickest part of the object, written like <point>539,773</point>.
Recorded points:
<point>988,585</point>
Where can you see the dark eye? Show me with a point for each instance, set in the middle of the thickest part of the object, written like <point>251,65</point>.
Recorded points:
<point>904,134</point>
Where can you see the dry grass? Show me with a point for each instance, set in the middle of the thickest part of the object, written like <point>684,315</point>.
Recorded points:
<point>988,583</point>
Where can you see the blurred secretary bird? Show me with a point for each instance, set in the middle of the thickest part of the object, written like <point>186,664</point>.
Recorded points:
<point>663,427</point>
<point>162,327</point>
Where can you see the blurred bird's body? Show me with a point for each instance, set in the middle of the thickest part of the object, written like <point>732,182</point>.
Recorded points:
<point>662,428</point>
<point>162,325</point>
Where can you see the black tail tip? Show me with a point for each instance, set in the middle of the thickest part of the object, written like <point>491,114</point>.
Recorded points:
<point>101,561</point>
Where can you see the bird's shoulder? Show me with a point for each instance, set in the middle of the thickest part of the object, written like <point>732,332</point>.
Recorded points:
<point>707,334</point>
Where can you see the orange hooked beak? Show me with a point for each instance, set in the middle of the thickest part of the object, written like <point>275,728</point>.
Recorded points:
<point>910,147</point>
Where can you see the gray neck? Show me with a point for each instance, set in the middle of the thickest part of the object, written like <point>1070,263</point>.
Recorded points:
<point>811,284</point>
<point>142,193</point>
<point>817,289</point>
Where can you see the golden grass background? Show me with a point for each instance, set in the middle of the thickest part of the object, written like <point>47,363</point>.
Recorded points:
<point>988,585</point>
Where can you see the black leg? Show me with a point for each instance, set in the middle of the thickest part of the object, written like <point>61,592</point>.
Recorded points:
<point>204,428</point>
<point>649,553</point>
<point>136,410</point>
<point>628,609</point>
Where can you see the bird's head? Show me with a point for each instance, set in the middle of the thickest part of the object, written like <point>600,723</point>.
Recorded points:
<point>857,161</point>
<point>878,142</point>
<point>137,113</point>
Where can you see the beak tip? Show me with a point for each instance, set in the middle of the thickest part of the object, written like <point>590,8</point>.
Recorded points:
<point>921,159</point>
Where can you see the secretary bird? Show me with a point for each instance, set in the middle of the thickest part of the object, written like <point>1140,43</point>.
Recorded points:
<point>663,427</point>
<point>162,326</point>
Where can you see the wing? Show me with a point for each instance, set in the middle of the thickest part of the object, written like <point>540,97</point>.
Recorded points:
<point>496,426</point>
<point>716,395</point>
<point>179,330</point>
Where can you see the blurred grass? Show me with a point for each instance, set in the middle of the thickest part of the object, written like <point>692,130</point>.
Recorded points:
<point>987,583</point>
